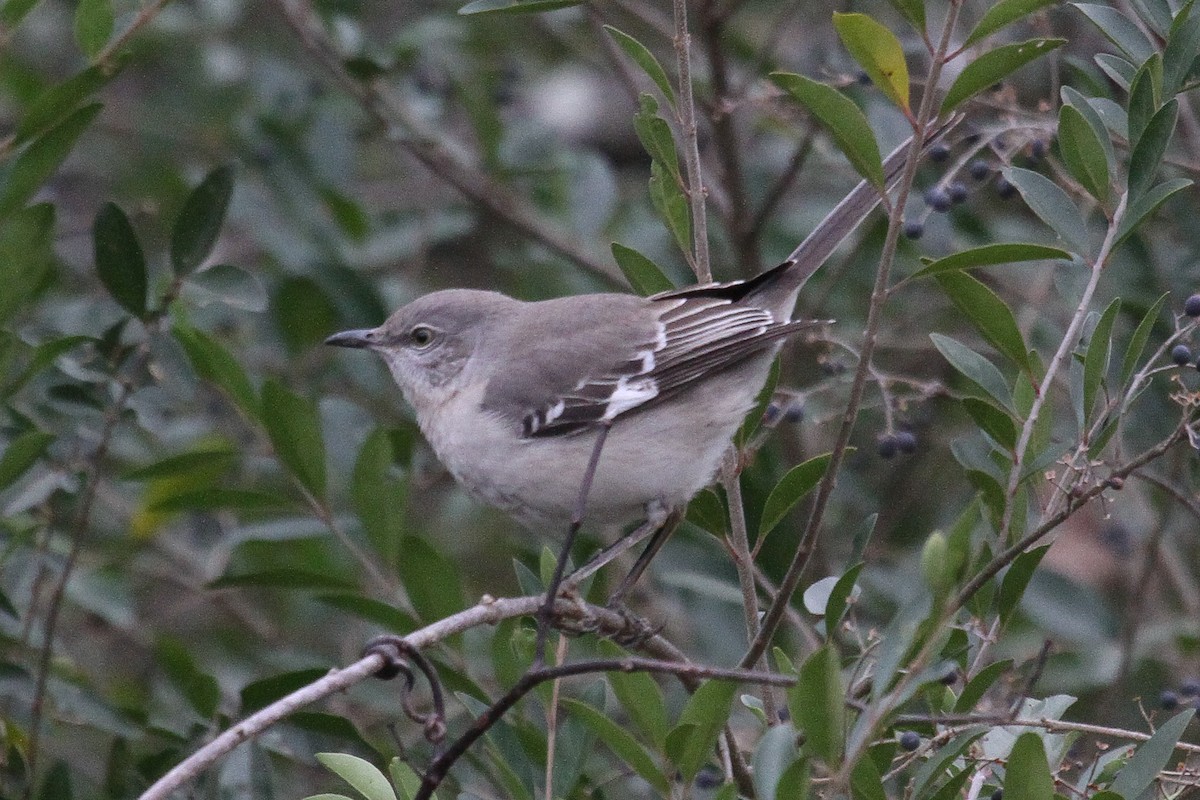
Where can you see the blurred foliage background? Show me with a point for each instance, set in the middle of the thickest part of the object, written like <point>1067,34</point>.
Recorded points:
<point>202,508</point>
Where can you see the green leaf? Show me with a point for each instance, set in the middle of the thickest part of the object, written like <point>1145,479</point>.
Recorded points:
<point>198,688</point>
<point>1147,204</point>
<point>992,67</point>
<point>1156,14</point>
<point>404,778</point>
<point>364,776</point>
<point>1082,152</point>
<point>655,135</point>
<point>261,693</point>
<point>1118,29</point>
<point>878,52</point>
<point>512,7</point>
<point>1151,757</point>
<point>975,367</point>
<point>835,606</point>
<point>913,12</point>
<point>1120,71</point>
<point>294,428</point>
<point>1090,108</point>
<point>865,781</point>
<point>940,760</point>
<point>119,260</point>
<point>1027,775</point>
<point>282,578</point>
<point>1053,205</point>
<point>708,512</point>
<point>1016,578</point>
<point>990,255</point>
<point>54,104</point>
<point>817,703</point>
<point>26,256</point>
<point>29,169</point>
<point>773,755</point>
<point>844,120</point>
<point>21,454</point>
<point>385,615</point>
<point>210,498</point>
<point>1000,14</point>
<point>43,355</point>
<point>623,745</point>
<point>978,686</point>
<point>347,214</point>
<point>214,363</point>
<point>643,274</point>
<point>1141,335</point>
<point>199,221</point>
<point>430,579</point>
<point>992,421</point>
<point>183,464</point>
<point>303,312</point>
<point>1145,92</point>
<point>989,314</point>
<point>1183,47</point>
<point>14,11</point>
<point>644,59</point>
<point>671,203</point>
<point>93,25</point>
<point>690,743</point>
<point>792,487</point>
<point>1095,361</point>
<point>379,500</point>
<point>227,284</point>
<point>1148,153</point>
<point>640,696</point>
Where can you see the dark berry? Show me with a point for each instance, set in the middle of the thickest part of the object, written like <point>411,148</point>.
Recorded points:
<point>1191,306</point>
<point>950,678</point>
<point>793,412</point>
<point>957,191</point>
<point>979,169</point>
<point>998,795</point>
<point>1038,149</point>
<point>1190,687</point>
<point>1181,354</point>
<point>939,152</point>
<point>906,441</point>
<point>1168,700</point>
<point>1005,189</point>
<point>937,198</point>
<point>863,79</point>
<point>914,229</point>
<point>910,741</point>
<point>709,778</point>
<point>887,446</point>
<point>772,413</point>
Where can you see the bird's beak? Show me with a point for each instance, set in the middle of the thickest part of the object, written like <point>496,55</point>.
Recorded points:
<point>358,339</point>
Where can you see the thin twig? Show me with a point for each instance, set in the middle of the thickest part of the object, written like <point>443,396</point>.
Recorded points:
<point>691,146</point>
<point>791,580</point>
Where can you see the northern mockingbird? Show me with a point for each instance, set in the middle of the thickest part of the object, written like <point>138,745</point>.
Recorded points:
<point>506,391</point>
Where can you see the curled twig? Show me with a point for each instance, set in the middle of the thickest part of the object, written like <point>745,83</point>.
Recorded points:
<point>398,653</point>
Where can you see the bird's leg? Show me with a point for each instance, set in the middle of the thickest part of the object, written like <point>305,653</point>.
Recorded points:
<point>665,526</point>
<point>546,612</point>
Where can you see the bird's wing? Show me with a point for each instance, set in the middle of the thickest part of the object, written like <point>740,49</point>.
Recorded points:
<point>694,336</point>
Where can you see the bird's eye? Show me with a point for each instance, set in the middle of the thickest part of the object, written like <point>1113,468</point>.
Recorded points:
<point>422,336</point>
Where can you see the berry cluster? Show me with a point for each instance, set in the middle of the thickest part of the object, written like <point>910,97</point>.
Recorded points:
<point>1181,354</point>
